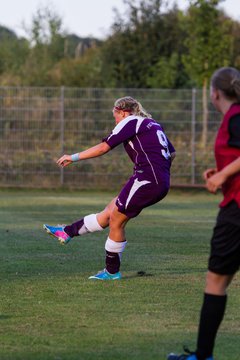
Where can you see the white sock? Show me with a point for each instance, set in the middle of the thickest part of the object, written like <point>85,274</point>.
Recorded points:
<point>91,223</point>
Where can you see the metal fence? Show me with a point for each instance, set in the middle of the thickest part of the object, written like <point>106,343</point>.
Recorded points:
<point>37,125</point>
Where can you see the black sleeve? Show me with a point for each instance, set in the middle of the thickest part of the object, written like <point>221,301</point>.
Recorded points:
<point>234,131</point>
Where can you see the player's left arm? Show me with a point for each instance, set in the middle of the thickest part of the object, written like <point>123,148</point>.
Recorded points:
<point>92,152</point>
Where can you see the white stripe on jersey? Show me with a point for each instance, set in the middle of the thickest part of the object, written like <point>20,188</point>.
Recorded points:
<point>124,122</point>
<point>136,185</point>
<point>147,159</point>
<point>139,123</point>
<point>131,144</point>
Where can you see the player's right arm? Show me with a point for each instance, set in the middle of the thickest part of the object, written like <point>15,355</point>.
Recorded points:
<point>220,177</point>
<point>92,152</point>
<point>208,173</point>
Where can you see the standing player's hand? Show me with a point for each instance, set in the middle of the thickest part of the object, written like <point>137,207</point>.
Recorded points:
<point>208,173</point>
<point>214,182</point>
<point>65,160</point>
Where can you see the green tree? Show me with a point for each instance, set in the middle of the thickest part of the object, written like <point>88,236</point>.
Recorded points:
<point>83,71</point>
<point>141,41</point>
<point>57,58</point>
<point>47,46</point>
<point>235,60</point>
<point>164,72</point>
<point>209,44</point>
<point>13,54</point>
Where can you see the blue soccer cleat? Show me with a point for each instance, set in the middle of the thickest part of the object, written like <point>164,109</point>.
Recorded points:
<point>58,232</point>
<point>187,356</point>
<point>181,357</point>
<point>105,275</point>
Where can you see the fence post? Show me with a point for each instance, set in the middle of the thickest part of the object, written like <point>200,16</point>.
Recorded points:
<point>62,131</point>
<point>193,138</point>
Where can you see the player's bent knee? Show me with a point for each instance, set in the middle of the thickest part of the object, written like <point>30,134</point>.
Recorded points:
<point>115,223</point>
<point>117,219</point>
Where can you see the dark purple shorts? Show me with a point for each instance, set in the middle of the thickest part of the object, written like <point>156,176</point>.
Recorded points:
<point>138,194</point>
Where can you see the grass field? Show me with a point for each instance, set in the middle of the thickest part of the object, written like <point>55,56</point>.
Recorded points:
<point>50,310</point>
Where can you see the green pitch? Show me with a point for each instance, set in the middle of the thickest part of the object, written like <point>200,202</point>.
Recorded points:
<point>50,310</point>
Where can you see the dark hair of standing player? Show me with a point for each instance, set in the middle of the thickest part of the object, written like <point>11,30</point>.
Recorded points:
<point>227,79</point>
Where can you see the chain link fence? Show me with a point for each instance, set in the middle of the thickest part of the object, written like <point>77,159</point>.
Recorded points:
<point>38,125</point>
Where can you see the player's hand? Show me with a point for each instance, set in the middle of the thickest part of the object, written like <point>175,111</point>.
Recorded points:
<point>208,173</point>
<point>65,160</point>
<point>214,182</point>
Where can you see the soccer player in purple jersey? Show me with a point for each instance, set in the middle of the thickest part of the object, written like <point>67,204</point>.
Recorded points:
<point>152,153</point>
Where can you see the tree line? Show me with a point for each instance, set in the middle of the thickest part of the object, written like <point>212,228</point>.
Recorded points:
<point>150,46</point>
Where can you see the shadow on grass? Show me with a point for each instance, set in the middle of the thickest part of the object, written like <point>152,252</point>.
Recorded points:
<point>137,275</point>
<point>4,317</point>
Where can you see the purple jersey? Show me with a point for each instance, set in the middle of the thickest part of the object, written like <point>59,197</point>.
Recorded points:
<point>147,146</point>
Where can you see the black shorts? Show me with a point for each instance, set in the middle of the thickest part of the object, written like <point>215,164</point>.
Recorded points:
<point>225,244</point>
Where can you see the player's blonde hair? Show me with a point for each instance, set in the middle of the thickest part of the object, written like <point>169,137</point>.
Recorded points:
<point>227,79</point>
<point>131,105</point>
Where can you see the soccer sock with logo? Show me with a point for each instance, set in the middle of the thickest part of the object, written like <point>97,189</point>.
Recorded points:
<point>113,255</point>
<point>212,313</point>
<point>112,262</point>
<point>83,226</point>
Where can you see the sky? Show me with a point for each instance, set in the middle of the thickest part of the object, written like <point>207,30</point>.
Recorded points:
<point>81,17</point>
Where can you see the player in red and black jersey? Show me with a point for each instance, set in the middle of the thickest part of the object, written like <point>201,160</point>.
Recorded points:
<point>224,260</point>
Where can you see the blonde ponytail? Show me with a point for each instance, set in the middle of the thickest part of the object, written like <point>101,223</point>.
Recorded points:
<point>131,105</point>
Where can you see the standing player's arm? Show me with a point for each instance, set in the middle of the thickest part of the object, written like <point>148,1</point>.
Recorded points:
<point>216,180</point>
<point>92,152</point>
<point>208,173</point>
